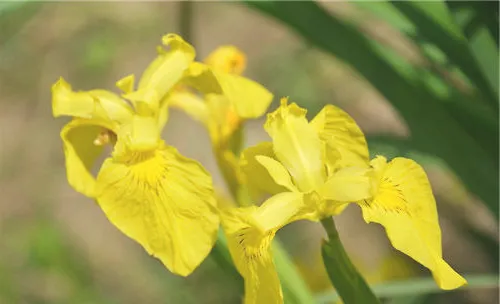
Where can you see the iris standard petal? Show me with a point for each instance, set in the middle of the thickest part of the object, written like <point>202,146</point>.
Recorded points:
<point>163,201</point>
<point>249,99</point>
<point>341,131</point>
<point>258,179</point>
<point>297,145</point>
<point>81,153</point>
<point>99,105</point>
<point>162,74</point>
<point>405,206</point>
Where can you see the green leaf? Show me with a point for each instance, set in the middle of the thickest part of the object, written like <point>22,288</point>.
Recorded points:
<point>344,276</point>
<point>480,27</point>
<point>13,16</point>
<point>295,289</point>
<point>434,22</point>
<point>8,6</point>
<point>475,116</point>
<point>433,129</point>
<point>421,286</point>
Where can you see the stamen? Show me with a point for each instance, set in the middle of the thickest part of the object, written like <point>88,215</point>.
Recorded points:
<point>104,137</point>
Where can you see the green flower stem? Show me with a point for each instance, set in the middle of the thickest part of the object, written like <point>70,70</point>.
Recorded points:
<point>349,283</point>
<point>185,17</point>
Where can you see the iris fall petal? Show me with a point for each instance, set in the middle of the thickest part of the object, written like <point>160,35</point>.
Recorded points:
<point>405,206</point>
<point>163,201</point>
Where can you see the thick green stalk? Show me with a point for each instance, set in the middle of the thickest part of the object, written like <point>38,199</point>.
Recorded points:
<point>185,17</point>
<point>349,283</point>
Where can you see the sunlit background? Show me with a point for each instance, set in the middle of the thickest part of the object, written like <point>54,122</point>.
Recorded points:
<point>411,95</point>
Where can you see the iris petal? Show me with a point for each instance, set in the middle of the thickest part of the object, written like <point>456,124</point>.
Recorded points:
<point>349,184</point>
<point>99,105</point>
<point>337,128</point>
<point>297,145</point>
<point>162,74</point>
<point>163,201</point>
<point>250,232</point>
<point>81,154</point>
<point>277,172</point>
<point>249,99</point>
<point>405,206</point>
<point>258,179</point>
<point>228,59</point>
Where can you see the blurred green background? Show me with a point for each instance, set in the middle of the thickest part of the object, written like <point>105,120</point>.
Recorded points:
<point>421,79</point>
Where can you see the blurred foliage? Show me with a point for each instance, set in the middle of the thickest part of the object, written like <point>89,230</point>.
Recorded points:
<point>412,290</point>
<point>451,128</point>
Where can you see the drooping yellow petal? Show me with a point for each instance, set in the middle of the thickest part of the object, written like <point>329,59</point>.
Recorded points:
<point>258,179</point>
<point>163,201</point>
<point>99,105</point>
<point>162,74</point>
<point>297,145</point>
<point>341,131</point>
<point>81,153</point>
<point>227,59</point>
<point>251,253</point>
<point>250,232</point>
<point>405,206</point>
<point>349,184</point>
<point>249,99</point>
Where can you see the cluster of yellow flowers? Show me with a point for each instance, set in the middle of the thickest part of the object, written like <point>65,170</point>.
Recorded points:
<point>166,202</point>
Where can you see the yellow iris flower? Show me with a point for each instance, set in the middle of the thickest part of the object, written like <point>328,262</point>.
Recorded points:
<point>225,99</point>
<point>314,169</point>
<point>250,231</point>
<point>222,104</point>
<point>149,191</point>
